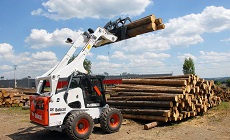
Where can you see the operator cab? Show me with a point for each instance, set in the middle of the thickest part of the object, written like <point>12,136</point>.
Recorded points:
<point>92,90</point>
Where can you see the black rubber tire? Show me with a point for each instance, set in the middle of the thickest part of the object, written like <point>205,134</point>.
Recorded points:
<point>79,125</point>
<point>111,120</point>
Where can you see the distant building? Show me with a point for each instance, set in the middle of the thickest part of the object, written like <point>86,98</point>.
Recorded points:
<point>24,83</point>
<point>109,80</point>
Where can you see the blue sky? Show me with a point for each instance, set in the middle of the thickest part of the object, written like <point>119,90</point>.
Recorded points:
<point>33,34</point>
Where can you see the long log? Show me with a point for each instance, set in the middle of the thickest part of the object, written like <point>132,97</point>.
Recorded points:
<point>171,77</point>
<point>163,90</point>
<point>158,21</point>
<point>142,103</point>
<point>142,107</point>
<point>155,81</point>
<point>143,94</point>
<point>142,29</point>
<point>160,27</point>
<point>146,98</point>
<point>141,86</point>
<point>154,112</point>
<point>142,21</point>
<point>5,94</point>
<point>146,117</point>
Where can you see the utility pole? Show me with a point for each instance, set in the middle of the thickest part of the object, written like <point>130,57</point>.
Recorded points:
<point>28,81</point>
<point>15,82</point>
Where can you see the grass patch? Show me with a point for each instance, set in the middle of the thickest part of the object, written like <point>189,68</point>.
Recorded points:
<point>14,110</point>
<point>223,106</point>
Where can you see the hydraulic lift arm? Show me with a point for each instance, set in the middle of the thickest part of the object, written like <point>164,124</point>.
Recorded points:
<point>63,69</point>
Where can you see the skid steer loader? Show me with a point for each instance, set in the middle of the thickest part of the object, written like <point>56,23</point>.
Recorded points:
<point>76,108</point>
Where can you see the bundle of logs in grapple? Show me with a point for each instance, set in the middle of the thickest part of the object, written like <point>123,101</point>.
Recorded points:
<point>144,25</point>
<point>138,27</point>
<point>10,97</point>
<point>163,99</point>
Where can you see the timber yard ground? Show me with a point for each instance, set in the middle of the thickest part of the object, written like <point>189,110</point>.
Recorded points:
<point>213,125</point>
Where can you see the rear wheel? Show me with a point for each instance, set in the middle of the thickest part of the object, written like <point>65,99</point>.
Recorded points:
<point>79,125</point>
<point>111,120</point>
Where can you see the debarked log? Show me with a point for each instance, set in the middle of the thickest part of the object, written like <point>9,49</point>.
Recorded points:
<point>140,86</point>
<point>155,82</point>
<point>142,29</point>
<point>146,98</point>
<point>154,112</point>
<point>143,94</point>
<point>159,90</point>
<point>142,103</point>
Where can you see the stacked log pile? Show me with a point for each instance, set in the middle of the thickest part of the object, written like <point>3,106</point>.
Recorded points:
<point>222,92</point>
<point>10,97</point>
<point>163,99</point>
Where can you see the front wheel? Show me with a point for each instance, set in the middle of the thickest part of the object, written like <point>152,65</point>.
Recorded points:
<point>111,120</point>
<point>79,125</point>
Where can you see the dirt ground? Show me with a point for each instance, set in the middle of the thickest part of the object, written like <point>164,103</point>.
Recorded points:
<point>213,125</point>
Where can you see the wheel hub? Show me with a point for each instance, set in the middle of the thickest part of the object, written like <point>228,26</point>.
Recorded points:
<point>112,120</point>
<point>81,126</point>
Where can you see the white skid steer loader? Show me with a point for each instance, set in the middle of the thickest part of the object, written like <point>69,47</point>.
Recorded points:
<point>76,108</point>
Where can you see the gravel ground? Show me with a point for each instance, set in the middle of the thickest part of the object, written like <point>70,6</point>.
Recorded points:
<point>213,125</point>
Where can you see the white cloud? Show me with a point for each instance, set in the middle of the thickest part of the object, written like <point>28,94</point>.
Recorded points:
<point>59,9</point>
<point>144,62</point>
<point>32,64</point>
<point>155,55</point>
<point>90,54</point>
<point>42,39</point>
<point>179,32</point>
<point>119,55</point>
<point>187,55</point>
<point>142,54</point>
<point>187,30</point>
<point>44,56</point>
<point>6,52</point>
<point>142,43</point>
<point>215,19</point>
<point>101,67</point>
<point>137,66</point>
<point>214,57</point>
<point>102,58</point>
<point>226,40</point>
<point>6,67</point>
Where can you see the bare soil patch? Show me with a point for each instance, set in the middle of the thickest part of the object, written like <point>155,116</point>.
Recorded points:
<point>213,125</point>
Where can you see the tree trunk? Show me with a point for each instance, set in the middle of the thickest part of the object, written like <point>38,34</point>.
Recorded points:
<point>146,98</point>
<point>154,112</point>
<point>163,90</point>
<point>142,103</point>
<point>142,94</point>
<point>155,82</point>
<point>142,29</point>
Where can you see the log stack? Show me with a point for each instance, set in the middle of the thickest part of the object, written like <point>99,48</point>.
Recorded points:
<point>10,97</point>
<point>163,99</point>
<point>222,92</point>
